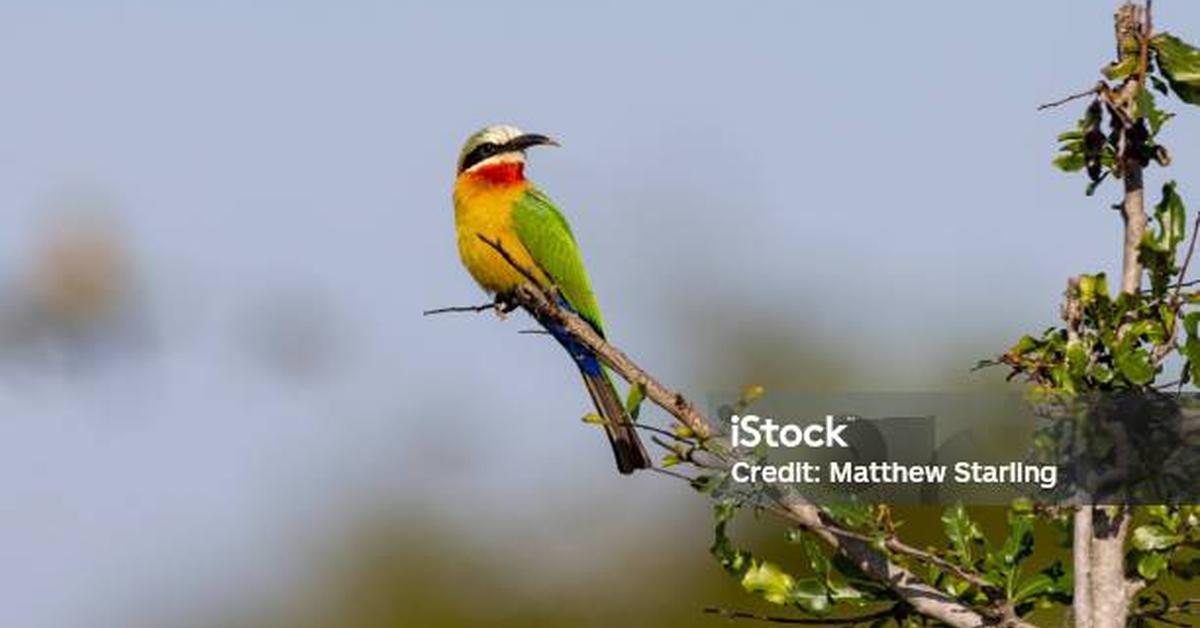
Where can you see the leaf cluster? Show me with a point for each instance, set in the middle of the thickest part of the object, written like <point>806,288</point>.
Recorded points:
<point>1172,68</point>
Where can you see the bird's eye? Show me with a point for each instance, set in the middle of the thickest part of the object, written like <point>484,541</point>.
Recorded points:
<point>479,153</point>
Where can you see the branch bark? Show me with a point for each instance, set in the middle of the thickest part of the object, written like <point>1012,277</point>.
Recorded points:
<point>1102,593</point>
<point>922,597</point>
<point>1081,607</point>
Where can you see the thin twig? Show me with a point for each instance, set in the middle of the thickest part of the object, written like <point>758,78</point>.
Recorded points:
<point>1186,284</point>
<point>900,547</point>
<point>1187,260</point>
<point>659,430</point>
<point>989,589</point>
<point>1160,614</point>
<point>462,308</point>
<point>1062,101</point>
<point>674,474</point>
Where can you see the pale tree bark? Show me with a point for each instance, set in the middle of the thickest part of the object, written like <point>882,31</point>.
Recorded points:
<point>1102,592</point>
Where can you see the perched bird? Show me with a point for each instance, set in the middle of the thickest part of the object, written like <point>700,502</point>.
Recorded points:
<point>494,201</point>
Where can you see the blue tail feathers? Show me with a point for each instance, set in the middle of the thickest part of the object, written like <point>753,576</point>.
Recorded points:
<point>622,434</point>
<point>580,353</point>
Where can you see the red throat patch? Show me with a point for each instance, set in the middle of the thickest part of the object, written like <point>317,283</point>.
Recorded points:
<point>506,173</point>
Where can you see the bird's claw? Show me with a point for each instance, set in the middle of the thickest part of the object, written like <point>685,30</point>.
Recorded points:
<point>503,306</point>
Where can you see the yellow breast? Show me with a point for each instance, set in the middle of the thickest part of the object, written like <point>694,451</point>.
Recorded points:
<point>483,208</point>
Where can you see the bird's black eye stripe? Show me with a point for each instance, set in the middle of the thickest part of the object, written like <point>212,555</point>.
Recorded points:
<point>479,153</point>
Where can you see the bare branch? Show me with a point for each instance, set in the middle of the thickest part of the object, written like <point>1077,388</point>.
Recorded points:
<point>992,591</point>
<point>1098,89</point>
<point>1187,260</point>
<point>1100,549</point>
<point>658,430</point>
<point>462,308</point>
<point>672,474</point>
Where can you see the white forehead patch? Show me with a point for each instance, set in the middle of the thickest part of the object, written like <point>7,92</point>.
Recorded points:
<point>500,133</point>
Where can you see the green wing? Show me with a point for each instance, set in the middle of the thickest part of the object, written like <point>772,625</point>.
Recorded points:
<point>545,233</point>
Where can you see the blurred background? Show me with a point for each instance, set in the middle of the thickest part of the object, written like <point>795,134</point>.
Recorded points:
<point>220,404</point>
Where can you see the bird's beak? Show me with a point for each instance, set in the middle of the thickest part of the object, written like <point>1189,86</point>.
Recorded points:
<point>521,142</point>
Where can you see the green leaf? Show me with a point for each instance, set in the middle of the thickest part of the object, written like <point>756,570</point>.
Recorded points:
<point>1085,146</point>
<point>1171,218</point>
<point>1092,185</point>
<point>962,532</point>
<point>769,581</point>
<point>1118,70</point>
<point>1159,85</point>
<point>750,394</point>
<point>1158,246</point>
<point>1050,586</point>
<point>1026,344</point>
<point>1077,360</point>
<point>1190,323</point>
<point>1147,107</point>
<point>849,512</point>
<point>1154,537</point>
<point>1069,162</point>
<point>761,577</point>
<point>863,583</point>
<point>633,403</point>
<point>1092,287</point>
<point>707,483</point>
<point>1191,346</point>
<point>1039,585</point>
<point>1019,544</point>
<point>1151,564</point>
<point>817,559</point>
<point>1135,364</point>
<point>1180,64</point>
<point>810,595</point>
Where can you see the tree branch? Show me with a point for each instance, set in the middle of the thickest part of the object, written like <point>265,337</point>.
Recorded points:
<point>462,308</point>
<point>1098,89</point>
<point>925,599</point>
<point>539,304</point>
<point>1187,260</point>
<point>1103,550</point>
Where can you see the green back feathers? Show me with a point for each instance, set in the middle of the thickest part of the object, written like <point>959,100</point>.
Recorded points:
<point>545,233</point>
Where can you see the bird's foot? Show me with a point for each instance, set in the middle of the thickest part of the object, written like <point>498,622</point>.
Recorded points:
<point>503,305</point>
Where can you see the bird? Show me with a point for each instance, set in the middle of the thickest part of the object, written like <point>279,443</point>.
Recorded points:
<point>496,208</point>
